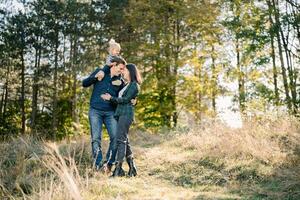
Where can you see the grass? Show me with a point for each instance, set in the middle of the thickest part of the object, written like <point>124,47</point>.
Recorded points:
<point>259,161</point>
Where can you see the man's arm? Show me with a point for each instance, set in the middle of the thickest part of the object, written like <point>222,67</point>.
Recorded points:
<point>91,79</point>
<point>105,70</point>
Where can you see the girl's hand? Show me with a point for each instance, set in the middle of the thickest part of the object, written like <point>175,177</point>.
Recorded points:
<point>99,75</point>
<point>106,96</point>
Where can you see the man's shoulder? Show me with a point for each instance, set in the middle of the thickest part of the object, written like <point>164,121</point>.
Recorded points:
<point>103,66</point>
<point>105,69</point>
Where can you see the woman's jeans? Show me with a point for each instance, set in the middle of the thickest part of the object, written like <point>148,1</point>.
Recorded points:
<point>97,118</point>
<point>123,147</point>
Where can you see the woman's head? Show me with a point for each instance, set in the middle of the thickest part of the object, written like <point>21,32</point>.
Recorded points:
<point>114,47</point>
<point>132,74</point>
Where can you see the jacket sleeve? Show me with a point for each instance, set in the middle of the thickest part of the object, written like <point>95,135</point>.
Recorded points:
<point>131,94</point>
<point>91,79</point>
<point>106,69</point>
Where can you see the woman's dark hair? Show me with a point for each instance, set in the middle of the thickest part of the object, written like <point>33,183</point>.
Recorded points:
<point>134,73</point>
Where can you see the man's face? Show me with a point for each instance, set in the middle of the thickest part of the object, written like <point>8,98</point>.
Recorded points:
<point>117,69</point>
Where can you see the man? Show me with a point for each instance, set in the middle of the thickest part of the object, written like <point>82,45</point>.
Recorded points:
<point>102,112</point>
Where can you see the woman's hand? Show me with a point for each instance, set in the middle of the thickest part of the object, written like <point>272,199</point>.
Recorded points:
<point>106,96</point>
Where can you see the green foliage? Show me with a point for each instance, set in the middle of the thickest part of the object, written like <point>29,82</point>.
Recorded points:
<point>10,120</point>
<point>187,52</point>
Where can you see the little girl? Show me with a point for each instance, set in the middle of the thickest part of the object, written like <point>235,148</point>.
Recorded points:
<point>113,50</point>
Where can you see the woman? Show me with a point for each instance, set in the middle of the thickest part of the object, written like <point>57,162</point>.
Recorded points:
<point>124,114</point>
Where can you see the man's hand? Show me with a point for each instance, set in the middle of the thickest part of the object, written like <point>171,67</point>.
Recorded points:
<point>99,75</point>
<point>106,96</point>
<point>133,102</point>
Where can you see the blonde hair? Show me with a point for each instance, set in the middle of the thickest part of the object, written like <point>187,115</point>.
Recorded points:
<point>113,45</point>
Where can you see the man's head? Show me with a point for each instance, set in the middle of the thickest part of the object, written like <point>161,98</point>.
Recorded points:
<point>118,65</point>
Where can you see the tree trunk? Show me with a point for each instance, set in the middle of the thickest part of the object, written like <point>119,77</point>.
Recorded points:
<point>292,87</point>
<point>22,100</point>
<point>199,97</point>
<point>54,120</point>
<point>35,89</point>
<point>5,93</point>
<point>241,79</point>
<point>283,70</point>
<point>295,11</point>
<point>74,86</point>
<point>2,100</point>
<point>5,99</point>
<point>214,79</point>
<point>275,73</point>
<point>63,79</point>
<point>176,50</point>
<point>70,66</point>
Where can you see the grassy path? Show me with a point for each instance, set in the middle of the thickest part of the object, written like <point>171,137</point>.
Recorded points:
<point>258,162</point>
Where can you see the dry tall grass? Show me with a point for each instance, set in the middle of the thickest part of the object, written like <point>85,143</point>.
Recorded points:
<point>259,161</point>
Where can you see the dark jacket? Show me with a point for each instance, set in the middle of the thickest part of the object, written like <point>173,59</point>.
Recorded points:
<point>124,105</point>
<point>106,85</point>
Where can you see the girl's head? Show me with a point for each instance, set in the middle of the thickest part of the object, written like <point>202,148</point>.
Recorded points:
<point>132,74</point>
<point>114,48</point>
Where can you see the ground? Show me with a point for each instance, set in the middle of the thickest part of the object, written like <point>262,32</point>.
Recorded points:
<point>258,161</point>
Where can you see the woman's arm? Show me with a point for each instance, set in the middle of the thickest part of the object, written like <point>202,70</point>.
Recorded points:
<point>131,94</point>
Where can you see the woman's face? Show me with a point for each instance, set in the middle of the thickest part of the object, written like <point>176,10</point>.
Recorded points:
<point>126,75</point>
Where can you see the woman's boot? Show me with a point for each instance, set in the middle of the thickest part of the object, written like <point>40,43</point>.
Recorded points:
<point>118,170</point>
<point>132,168</point>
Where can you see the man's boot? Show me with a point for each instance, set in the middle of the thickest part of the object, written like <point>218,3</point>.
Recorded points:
<point>132,168</point>
<point>118,170</point>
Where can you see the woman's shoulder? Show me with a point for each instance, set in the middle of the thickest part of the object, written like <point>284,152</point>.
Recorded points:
<point>135,85</point>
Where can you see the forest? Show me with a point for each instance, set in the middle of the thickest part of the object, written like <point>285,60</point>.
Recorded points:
<point>216,117</point>
<point>191,53</point>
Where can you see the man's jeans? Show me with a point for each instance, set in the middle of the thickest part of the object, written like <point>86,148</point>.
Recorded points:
<point>97,118</point>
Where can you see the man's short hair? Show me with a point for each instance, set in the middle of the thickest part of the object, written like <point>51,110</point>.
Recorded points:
<point>118,60</point>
